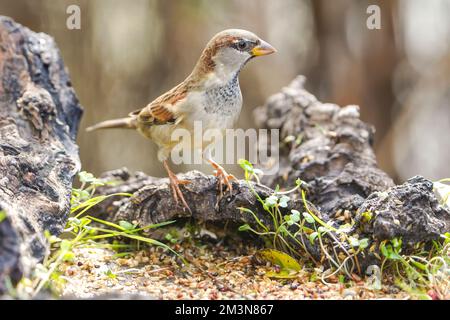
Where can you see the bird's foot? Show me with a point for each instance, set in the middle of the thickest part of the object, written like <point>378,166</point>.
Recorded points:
<point>175,186</point>
<point>177,194</point>
<point>224,177</point>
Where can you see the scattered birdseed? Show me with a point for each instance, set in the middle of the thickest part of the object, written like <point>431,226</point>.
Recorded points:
<point>213,272</point>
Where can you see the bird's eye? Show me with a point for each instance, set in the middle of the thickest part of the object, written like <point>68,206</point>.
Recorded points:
<point>242,45</point>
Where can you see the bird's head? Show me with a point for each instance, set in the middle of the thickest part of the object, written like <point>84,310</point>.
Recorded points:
<point>228,51</point>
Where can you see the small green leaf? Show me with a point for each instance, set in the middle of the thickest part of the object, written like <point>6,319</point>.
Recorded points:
<point>312,237</point>
<point>289,266</point>
<point>86,177</point>
<point>363,243</point>
<point>309,218</point>
<point>172,236</point>
<point>84,222</point>
<point>419,265</point>
<point>69,256</point>
<point>65,245</point>
<point>244,227</point>
<point>397,243</point>
<point>288,220</point>
<point>47,234</point>
<point>74,221</point>
<point>126,225</point>
<point>307,230</point>
<point>367,216</point>
<point>384,250</point>
<point>295,215</point>
<point>284,201</point>
<point>389,252</point>
<point>271,201</point>
<point>395,256</point>
<point>446,236</point>
<point>110,274</point>
<point>246,165</point>
<point>354,242</point>
<point>322,230</point>
<point>295,218</point>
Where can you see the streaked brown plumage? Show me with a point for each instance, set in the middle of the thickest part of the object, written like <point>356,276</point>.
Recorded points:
<point>210,94</point>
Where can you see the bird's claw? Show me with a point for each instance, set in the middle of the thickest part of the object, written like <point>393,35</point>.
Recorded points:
<point>177,194</point>
<point>223,177</point>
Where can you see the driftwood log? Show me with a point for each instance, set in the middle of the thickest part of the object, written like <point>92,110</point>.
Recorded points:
<point>39,116</point>
<point>152,201</point>
<point>330,148</point>
<point>325,145</point>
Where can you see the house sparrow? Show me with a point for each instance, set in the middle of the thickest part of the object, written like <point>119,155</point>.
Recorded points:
<point>210,94</point>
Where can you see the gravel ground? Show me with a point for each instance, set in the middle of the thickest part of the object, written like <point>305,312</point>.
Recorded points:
<point>214,272</point>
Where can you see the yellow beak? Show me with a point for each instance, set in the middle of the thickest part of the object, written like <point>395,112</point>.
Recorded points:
<point>263,49</point>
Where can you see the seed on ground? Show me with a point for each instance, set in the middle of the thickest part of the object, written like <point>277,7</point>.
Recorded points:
<point>213,272</point>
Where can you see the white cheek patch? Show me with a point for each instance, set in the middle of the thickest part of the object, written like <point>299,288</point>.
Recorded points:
<point>229,61</point>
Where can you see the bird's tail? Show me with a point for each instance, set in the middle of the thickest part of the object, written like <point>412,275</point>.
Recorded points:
<point>123,123</point>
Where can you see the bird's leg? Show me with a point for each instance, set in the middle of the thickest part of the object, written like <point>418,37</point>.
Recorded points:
<point>223,176</point>
<point>174,184</point>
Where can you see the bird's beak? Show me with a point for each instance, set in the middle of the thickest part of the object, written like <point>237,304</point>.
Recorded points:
<point>263,49</point>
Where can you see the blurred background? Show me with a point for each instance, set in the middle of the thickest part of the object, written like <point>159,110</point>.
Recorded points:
<point>129,52</point>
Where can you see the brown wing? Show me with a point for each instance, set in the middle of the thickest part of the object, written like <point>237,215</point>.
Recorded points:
<point>162,109</point>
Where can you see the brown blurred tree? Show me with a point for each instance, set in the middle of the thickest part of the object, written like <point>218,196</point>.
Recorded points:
<point>356,64</point>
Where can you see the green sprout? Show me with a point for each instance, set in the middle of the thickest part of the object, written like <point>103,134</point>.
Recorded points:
<point>417,270</point>
<point>84,230</point>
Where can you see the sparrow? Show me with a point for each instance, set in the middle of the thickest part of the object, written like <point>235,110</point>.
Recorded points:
<point>210,94</point>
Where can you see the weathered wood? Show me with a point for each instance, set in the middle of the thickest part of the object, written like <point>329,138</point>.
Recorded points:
<point>410,211</point>
<point>325,145</point>
<point>152,201</point>
<point>39,117</point>
<point>328,147</point>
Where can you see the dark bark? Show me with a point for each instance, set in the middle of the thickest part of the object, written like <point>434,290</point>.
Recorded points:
<point>39,117</point>
<point>152,200</point>
<point>409,211</point>
<point>328,147</point>
<point>325,145</point>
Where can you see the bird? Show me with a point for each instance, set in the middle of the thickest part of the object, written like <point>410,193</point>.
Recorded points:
<point>210,93</point>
